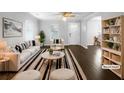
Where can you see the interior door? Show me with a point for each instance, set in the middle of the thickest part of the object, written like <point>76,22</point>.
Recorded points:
<point>74,33</point>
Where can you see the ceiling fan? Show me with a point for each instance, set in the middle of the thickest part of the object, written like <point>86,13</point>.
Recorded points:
<point>66,14</point>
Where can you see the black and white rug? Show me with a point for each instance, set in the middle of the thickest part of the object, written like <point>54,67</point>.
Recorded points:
<point>42,65</point>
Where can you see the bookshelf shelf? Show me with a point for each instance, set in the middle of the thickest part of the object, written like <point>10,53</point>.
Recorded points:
<point>112,51</point>
<point>116,72</point>
<point>106,57</point>
<point>111,26</point>
<point>113,43</point>
<point>116,62</point>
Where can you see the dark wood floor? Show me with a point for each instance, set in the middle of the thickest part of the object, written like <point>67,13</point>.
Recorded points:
<point>90,61</point>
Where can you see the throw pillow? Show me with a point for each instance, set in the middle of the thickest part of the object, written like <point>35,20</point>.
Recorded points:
<point>18,48</point>
<point>33,43</point>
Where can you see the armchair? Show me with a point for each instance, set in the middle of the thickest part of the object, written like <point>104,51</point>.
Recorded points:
<point>57,43</point>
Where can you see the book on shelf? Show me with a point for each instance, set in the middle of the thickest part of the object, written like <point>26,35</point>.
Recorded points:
<point>115,30</point>
<point>117,22</point>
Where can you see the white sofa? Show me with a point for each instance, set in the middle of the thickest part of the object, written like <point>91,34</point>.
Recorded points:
<point>17,59</point>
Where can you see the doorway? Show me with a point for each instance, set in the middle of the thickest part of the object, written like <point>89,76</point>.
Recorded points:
<point>74,33</point>
<point>94,29</point>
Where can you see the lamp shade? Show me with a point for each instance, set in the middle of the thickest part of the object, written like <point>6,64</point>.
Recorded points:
<point>3,44</point>
<point>64,18</point>
<point>37,37</point>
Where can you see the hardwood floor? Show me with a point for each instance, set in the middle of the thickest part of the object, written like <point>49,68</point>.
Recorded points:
<point>90,61</point>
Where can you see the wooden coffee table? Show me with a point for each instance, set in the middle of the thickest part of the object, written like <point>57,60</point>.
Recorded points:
<point>56,55</point>
<point>56,48</point>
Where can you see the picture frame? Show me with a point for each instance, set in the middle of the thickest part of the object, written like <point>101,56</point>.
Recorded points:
<point>55,31</point>
<point>12,28</point>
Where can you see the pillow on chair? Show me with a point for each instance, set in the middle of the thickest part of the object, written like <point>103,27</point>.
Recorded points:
<point>33,43</point>
<point>57,41</point>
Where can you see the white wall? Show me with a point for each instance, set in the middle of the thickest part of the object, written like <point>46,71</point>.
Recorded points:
<point>86,31</point>
<point>104,15</point>
<point>93,27</point>
<point>46,27</point>
<point>30,26</point>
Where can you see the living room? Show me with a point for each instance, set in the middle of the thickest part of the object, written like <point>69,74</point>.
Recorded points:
<point>51,46</point>
<point>75,32</point>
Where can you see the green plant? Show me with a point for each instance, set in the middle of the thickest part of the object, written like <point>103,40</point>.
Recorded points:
<point>116,46</point>
<point>112,22</point>
<point>50,51</point>
<point>110,45</point>
<point>42,36</point>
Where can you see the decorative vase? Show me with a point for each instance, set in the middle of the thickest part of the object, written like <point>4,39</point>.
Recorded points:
<point>115,38</point>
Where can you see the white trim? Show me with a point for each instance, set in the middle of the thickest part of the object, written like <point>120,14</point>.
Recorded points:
<point>49,44</point>
<point>84,46</point>
<point>90,44</point>
<point>74,44</point>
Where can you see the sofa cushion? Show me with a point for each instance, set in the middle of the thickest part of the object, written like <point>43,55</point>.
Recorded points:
<point>35,47</point>
<point>22,46</point>
<point>28,52</point>
<point>18,48</point>
<point>31,50</point>
<point>27,43</point>
<point>30,43</point>
<point>24,55</point>
<point>12,49</point>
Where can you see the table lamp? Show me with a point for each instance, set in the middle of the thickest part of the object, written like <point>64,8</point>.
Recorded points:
<point>3,46</point>
<point>37,39</point>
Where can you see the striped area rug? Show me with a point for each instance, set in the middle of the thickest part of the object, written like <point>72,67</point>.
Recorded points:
<point>42,65</point>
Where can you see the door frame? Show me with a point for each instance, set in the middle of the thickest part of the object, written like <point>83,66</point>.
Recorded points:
<point>79,23</point>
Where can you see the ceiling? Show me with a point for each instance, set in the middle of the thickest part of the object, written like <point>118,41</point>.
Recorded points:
<point>55,16</point>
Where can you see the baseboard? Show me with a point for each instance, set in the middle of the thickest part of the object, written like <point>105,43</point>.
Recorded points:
<point>73,44</point>
<point>90,45</point>
<point>84,46</point>
<point>49,44</point>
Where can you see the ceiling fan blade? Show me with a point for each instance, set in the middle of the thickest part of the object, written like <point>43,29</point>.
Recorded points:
<point>65,14</point>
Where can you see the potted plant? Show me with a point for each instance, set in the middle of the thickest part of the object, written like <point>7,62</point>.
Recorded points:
<point>50,51</point>
<point>116,47</point>
<point>42,37</point>
<point>112,22</point>
<point>110,45</point>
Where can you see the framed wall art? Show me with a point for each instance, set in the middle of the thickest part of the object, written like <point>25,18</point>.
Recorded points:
<point>12,28</point>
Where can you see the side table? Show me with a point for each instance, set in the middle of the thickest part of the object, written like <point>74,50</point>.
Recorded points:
<point>5,60</point>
